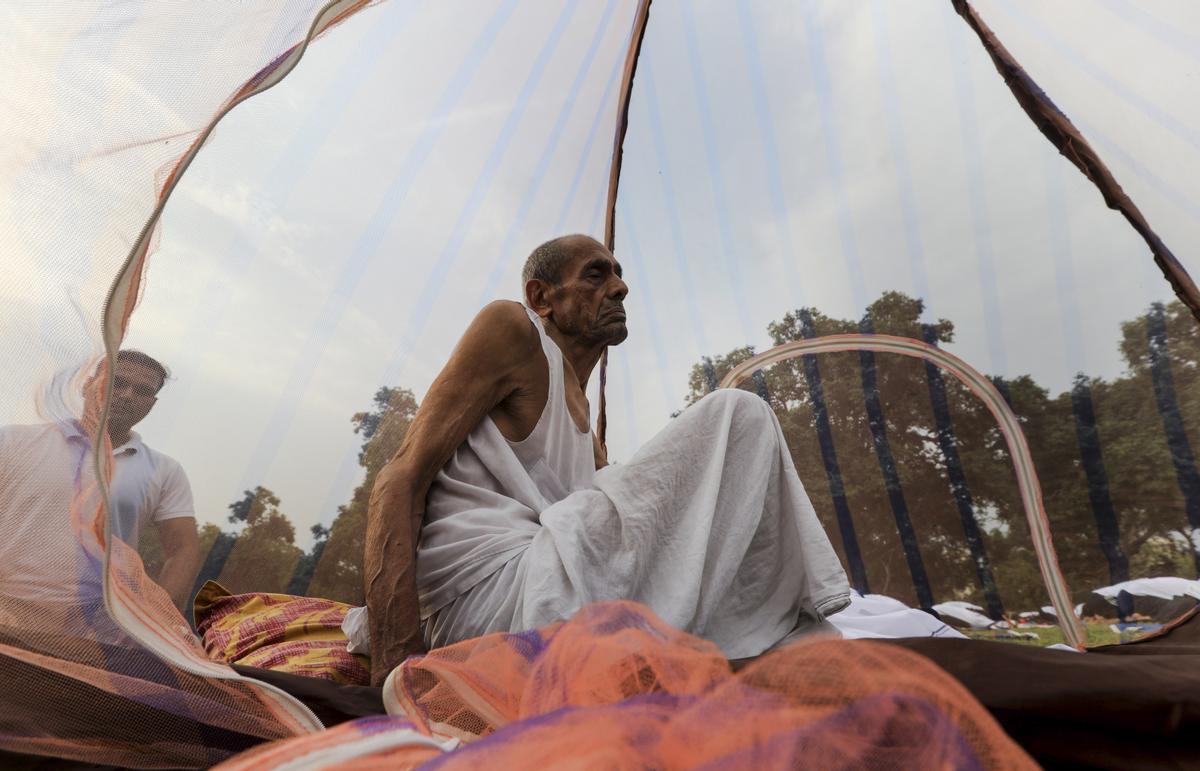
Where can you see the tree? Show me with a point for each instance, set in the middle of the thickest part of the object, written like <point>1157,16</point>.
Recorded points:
<point>910,432</point>
<point>337,574</point>
<point>1147,474</point>
<point>303,574</point>
<point>265,553</point>
<point>947,456</point>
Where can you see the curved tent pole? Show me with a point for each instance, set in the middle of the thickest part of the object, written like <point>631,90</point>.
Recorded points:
<point>1006,420</point>
<point>1063,134</point>
<point>636,36</point>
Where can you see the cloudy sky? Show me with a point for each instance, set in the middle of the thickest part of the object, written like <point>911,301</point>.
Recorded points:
<point>338,232</point>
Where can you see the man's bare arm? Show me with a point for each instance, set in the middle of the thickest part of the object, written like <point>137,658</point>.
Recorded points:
<point>181,545</point>
<point>481,373</point>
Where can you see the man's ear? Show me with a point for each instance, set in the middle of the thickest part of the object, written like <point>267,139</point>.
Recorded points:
<point>537,297</point>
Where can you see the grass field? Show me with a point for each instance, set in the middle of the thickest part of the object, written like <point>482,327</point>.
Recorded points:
<point>1097,634</point>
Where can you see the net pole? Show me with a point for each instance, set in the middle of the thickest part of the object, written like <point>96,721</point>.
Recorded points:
<point>1063,134</point>
<point>637,35</point>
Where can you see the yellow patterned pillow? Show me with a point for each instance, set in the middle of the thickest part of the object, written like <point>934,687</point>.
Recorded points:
<point>299,635</point>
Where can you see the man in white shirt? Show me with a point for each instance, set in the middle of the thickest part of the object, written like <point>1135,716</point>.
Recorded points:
<point>45,468</point>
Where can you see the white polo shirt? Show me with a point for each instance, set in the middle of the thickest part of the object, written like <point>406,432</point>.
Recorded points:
<point>42,470</point>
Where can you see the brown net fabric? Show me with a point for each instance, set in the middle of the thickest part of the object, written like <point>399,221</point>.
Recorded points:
<point>604,655</point>
<point>614,687</point>
<point>369,743</point>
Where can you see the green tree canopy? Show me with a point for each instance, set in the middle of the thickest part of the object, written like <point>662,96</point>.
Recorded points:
<point>265,554</point>
<point>338,573</point>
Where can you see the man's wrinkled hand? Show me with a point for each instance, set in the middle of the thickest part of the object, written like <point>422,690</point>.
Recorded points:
<point>393,607</point>
<point>379,673</point>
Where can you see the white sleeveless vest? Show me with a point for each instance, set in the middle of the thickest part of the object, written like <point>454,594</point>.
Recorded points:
<point>484,505</point>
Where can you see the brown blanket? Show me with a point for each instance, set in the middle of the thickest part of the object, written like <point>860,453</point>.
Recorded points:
<point>1122,706</point>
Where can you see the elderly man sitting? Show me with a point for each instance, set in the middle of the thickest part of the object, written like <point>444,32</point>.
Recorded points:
<point>517,520</point>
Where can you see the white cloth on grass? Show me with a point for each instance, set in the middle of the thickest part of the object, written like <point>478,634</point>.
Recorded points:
<point>965,613</point>
<point>708,525</point>
<point>880,616</point>
<point>1163,587</point>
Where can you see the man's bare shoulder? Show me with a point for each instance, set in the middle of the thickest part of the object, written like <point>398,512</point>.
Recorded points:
<point>495,360</point>
<point>501,332</point>
<point>507,314</point>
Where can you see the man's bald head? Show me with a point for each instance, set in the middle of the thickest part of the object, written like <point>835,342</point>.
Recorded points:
<point>546,262</point>
<point>575,284</point>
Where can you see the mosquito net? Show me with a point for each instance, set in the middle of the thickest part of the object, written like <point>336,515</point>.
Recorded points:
<point>615,687</point>
<point>787,173</point>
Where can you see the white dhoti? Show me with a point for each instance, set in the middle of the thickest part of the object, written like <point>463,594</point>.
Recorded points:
<point>708,525</point>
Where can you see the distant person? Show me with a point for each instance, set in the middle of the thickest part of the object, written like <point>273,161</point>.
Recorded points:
<point>500,511</point>
<point>45,468</point>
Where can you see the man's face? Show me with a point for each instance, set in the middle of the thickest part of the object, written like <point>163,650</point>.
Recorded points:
<point>589,303</point>
<point>134,393</point>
